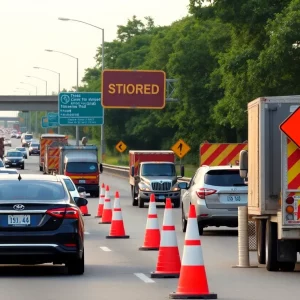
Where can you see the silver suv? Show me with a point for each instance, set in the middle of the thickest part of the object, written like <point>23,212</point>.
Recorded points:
<point>216,193</point>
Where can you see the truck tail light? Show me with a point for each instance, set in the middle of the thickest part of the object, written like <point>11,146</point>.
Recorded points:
<point>289,200</point>
<point>201,193</point>
<point>67,213</point>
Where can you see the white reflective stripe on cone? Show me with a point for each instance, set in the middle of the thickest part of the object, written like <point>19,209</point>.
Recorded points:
<point>102,192</point>
<point>152,208</point>
<point>168,238</point>
<point>117,203</point>
<point>106,195</point>
<point>152,223</point>
<point>192,231</point>
<point>107,204</point>
<point>168,218</point>
<point>117,216</point>
<point>192,256</point>
<point>101,200</point>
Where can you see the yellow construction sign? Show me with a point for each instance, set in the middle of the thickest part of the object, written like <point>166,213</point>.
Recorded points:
<point>181,148</point>
<point>121,147</point>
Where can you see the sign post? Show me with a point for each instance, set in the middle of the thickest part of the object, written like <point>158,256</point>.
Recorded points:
<point>121,147</point>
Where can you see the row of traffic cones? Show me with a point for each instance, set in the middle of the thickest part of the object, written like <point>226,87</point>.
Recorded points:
<point>191,271</point>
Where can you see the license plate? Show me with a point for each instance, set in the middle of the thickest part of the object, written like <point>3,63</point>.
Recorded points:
<point>161,197</point>
<point>18,220</point>
<point>14,164</point>
<point>232,199</point>
<point>81,181</point>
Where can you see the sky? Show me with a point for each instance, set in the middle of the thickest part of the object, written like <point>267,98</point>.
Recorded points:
<point>28,27</point>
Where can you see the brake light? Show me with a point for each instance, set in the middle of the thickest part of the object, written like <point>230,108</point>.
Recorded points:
<point>201,193</point>
<point>67,213</point>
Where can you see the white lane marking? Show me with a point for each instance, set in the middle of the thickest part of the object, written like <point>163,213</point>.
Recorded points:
<point>86,232</point>
<point>144,278</point>
<point>105,249</point>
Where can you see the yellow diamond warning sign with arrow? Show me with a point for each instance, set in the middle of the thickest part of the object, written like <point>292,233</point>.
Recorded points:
<point>121,147</point>
<point>181,148</point>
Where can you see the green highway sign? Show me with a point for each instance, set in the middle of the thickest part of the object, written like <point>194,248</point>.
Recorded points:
<point>45,122</point>
<point>52,119</point>
<point>80,109</point>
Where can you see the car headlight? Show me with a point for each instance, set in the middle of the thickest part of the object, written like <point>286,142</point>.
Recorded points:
<point>144,188</point>
<point>175,189</point>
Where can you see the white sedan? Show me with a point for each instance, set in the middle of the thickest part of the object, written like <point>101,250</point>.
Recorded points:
<point>80,192</point>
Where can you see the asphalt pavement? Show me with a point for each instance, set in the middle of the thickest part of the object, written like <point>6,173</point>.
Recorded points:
<point>116,269</point>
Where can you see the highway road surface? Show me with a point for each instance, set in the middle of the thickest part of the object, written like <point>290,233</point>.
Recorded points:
<point>115,269</point>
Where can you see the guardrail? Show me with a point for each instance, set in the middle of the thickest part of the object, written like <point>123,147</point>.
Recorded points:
<point>124,171</point>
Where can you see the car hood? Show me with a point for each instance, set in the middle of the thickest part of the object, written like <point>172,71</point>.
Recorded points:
<point>149,179</point>
<point>13,157</point>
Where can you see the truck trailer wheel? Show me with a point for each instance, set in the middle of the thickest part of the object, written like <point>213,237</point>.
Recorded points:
<point>271,247</point>
<point>261,241</point>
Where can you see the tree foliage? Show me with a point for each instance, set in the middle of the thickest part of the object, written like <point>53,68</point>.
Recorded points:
<point>224,54</point>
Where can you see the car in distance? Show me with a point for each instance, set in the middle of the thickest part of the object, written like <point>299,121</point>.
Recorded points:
<point>216,192</point>
<point>26,139</point>
<point>40,222</point>
<point>7,142</point>
<point>23,150</point>
<point>14,158</point>
<point>34,148</point>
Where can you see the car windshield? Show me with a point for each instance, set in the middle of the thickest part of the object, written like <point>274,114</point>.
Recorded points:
<point>158,170</point>
<point>82,167</point>
<point>31,190</point>
<point>14,154</point>
<point>70,185</point>
<point>20,149</point>
<point>28,137</point>
<point>224,178</point>
<point>35,145</point>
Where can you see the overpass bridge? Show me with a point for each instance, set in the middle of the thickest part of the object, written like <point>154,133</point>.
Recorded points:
<point>9,119</point>
<point>29,103</point>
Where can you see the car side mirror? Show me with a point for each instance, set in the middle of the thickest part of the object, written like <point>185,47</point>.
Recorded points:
<point>101,168</point>
<point>80,201</point>
<point>132,171</point>
<point>81,189</point>
<point>183,185</point>
<point>243,163</point>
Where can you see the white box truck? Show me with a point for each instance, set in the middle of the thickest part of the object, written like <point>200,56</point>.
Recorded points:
<point>271,167</point>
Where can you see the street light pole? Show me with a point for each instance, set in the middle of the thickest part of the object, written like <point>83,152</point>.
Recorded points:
<point>58,127</point>
<point>102,63</point>
<point>77,83</point>
<point>39,79</point>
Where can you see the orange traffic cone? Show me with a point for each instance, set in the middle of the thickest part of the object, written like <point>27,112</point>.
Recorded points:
<point>117,230</point>
<point>101,202</point>
<point>152,234</point>
<point>84,210</point>
<point>192,282</point>
<point>107,212</point>
<point>168,262</point>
